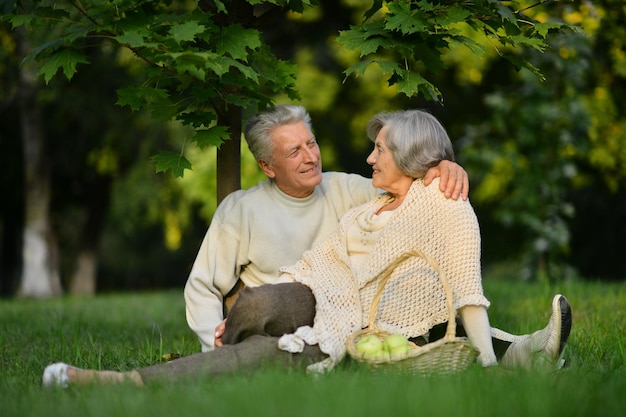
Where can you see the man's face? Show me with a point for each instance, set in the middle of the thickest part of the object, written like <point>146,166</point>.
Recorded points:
<point>297,163</point>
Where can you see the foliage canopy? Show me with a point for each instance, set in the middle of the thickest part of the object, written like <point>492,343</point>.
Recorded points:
<point>204,62</point>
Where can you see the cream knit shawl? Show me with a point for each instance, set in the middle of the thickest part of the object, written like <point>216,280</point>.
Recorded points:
<point>413,300</point>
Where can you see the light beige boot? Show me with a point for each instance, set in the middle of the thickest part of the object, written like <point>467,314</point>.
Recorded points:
<point>542,349</point>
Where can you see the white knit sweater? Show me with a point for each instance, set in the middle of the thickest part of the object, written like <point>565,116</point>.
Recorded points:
<point>413,300</point>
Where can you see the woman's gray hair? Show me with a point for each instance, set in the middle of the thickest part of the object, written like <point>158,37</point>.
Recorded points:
<point>415,138</point>
<point>257,130</point>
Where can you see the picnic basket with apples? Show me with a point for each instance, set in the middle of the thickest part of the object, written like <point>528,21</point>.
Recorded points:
<point>443,356</point>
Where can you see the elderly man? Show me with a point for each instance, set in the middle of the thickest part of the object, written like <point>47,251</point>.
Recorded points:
<point>256,231</point>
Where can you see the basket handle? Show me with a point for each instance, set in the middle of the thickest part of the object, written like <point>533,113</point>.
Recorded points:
<point>386,274</point>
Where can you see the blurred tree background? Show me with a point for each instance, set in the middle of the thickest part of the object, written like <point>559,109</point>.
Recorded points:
<point>546,157</point>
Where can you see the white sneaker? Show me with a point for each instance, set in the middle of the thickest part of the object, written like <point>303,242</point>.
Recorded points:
<point>554,337</point>
<point>55,375</point>
<point>543,348</point>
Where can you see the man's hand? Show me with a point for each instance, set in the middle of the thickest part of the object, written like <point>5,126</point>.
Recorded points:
<point>453,180</point>
<point>219,331</point>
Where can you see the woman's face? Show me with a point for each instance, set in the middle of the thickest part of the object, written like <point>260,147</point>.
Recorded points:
<point>386,175</point>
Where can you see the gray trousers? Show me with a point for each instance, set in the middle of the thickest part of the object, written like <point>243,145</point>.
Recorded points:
<point>257,320</point>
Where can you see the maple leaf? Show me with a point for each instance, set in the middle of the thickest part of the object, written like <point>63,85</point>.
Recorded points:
<point>171,161</point>
<point>66,59</point>
<point>186,32</point>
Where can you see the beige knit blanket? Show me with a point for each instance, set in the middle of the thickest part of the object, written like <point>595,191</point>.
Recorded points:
<point>413,300</point>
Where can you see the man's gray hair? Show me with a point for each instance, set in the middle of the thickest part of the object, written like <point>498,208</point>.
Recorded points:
<point>257,130</point>
<point>415,138</point>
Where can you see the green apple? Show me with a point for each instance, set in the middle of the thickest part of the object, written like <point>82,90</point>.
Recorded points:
<point>399,351</point>
<point>396,345</point>
<point>369,345</point>
<point>382,354</point>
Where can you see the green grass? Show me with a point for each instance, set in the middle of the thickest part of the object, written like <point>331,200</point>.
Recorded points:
<point>126,331</point>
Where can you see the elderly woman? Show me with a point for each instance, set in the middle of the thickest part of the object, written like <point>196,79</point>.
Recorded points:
<point>336,281</point>
<point>342,272</point>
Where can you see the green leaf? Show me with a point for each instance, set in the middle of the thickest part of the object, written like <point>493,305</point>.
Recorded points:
<point>428,54</point>
<point>45,49</point>
<point>197,118</point>
<point>425,5</point>
<point>407,82</point>
<point>525,41</point>
<point>186,32</point>
<point>431,92</point>
<point>403,19</point>
<point>356,35</point>
<point>351,38</point>
<point>368,38</point>
<point>136,97</point>
<point>507,14</point>
<point>275,74</point>
<point>387,67</point>
<point>245,101</point>
<point>235,41</point>
<point>220,65</point>
<point>74,33</point>
<point>130,38</point>
<point>522,63</point>
<point>359,68</point>
<point>247,72</point>
<point>192,62</point>
<point>295,5</point>
<point>66,59</point>
<point>213,136</point>
<point>219,5</point>
<point>542,29</point>
<point>164,110</point>
<point>171,161</point>
<point>371,46</point>
<point>455,14</point>
<point>410,83</point>
<point>20,19</point>
<point>471,44</point>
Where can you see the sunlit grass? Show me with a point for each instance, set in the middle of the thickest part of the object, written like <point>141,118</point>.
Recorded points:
<point>126,331</point>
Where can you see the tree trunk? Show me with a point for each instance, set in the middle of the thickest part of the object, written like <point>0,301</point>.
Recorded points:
<point>83,280</point>
<point>84,277</point>
<point>229,153</point>
<point>40,274</point>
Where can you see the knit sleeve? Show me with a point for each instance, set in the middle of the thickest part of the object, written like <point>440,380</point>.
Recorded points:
<point>213,274</point>
<point>459,248</point>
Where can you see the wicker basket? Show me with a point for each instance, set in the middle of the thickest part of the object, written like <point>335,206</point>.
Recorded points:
<point>446,355</point>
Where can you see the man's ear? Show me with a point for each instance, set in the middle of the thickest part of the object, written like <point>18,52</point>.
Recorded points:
<point>266,168</point>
